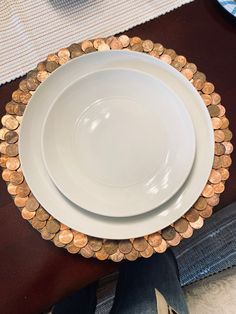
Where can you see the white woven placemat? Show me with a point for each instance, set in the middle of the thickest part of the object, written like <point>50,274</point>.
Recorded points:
<point>30,30</point>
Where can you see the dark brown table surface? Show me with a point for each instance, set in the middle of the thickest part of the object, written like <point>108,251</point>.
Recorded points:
<point>34,273</point>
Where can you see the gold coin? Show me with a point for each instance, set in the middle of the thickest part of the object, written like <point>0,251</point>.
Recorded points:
<point>42,76</point>
<point>51,66</point>
<point>3,148</point>
<point>215,176</point>
<point>41,66</point>
<point>97,42</point>
<point>53,226</point>
<point>71,248</point>
<point>207,99</point>
<point>158,48</point>
<point>216,123</point>
<point>137,47</point>
<point>57,242</point>
<point>10,107</point>
<point>3,132</point>
<point>147,252</point>
<point>170,52</point>
<point>16,95</point>
<point>197,224</point>
<point>11,123</point>
<point>116,44</point>
<point>224,173</point>
<point>32,204</point>
<point>80,239</point>
<point>125,246</point>
<point>228,147</point>
<point>124,39</point>
<point>200,204</point>
<point>208,88</point>
<point>224,123</point>
<point>168,233</point>
<point>23,189</point>
<point>221,110</point>
<point>182,60</point>
<point>162,247</point>
<point>219,187</point>
<point>53,57</point>
<point>135,40</point>
<point>227,135</point>
<point>11,137</point>
<point>181,225</point>
<point>101,254</point>
<point>187,73</point>
<point>37,224</point>
<point>6,173</point>
<point>175,241</point>
<point>140,244</point>
<point>103,47</point>
<point>217,162</point>
<point>20,201</point>
<point>87,252</point>
<point>117,256</point>
<point>155,239</point>
<point>65,236</point>
<point>219,149</point>
<point>3,161</point>
<point>86,44</point>
<point>46,235</point>
<point>27,214</point>
<point>42,214</point>
<point>192,215</point>
<point>214,200</point>
<point>110,246</point>
<point>198,84</point>
<point>132,255</point>
<point>12,150</point>
<point>226,161</point>
<point>11,188</point>
<point>215,98</point>
<point>188,233</point>
<point>192,67</point>
<point>207,212</point>
<point>165,58</point>
<point>147,45</point>
<point>16,177</point>
<point>23,86</point>
<point>94,243</point>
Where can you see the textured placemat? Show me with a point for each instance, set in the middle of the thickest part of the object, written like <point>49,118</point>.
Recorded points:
<point>87,246</point>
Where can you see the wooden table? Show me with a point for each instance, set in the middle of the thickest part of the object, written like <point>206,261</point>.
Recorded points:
<point>34,273</point>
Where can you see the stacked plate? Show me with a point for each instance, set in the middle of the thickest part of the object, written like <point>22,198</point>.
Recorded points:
<point>116,144</point>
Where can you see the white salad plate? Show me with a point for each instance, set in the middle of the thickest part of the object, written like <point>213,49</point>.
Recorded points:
<point>68,212</point>
<point>111,142</point>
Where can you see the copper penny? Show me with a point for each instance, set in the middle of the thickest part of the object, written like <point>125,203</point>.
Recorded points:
<point>137,47</point>
<point>219,187</point>
<point>80,239</point>
<point>10,107</point>
<point>11,188</point>
<point>207,212</point>
<point>226,161</point>
<point>86,44</point>
<point>187,73</point>
<point>213,110</point>
<point>224,123</point>
<point>208,88</point>
<point>95,244</point>
<point>170,52</point>
<point>162,247</point>
<point>158,48</point>
<point>215,98</point>
<point>53,226</point>
<point>11,137</point>
<point>42,76</point>
<point>11,123</point>
<point>19,109</point>
<point>41,66</point>
<point>25,97</point>
<point>101,254</point>
<point>3,132</point>
<point>110,246</point>
<point>71,248</point>
<point>90,49</point>
<point>23,189</point>
<point>51,66</point>
<point>165,58</point>
<point>176,65</point>
<point>64,55</point>
<point>135,40</point>
<point>87,252</point>
<point>228,135</point>
<point>214,200</point>
<point>117,256</point>
<point>32,204</point>
<point>216,123</point>
<point>3,161</point>
<point>219,136</point>
<point>207,99</point>
<point>192,67</point>
<point>198,84</point>
<point>74,47</point>
<point>16,177</point>
<point>3,148</point>
<point>124,39</point>
<point>217,162</point>
<point>168,233</point>
<point>192,215</point>
<point>219,149</point>
<point>140,244</point>
<point>97,42</point>
<point>182,60</point>
<point>200,75</point>
<point>221,110</point>
<point>155,239</point>
<point>181,225</point>
<point>132,255</point>
<point>37,224</point>
<point>23,86</point>
<point>64,227</point>
<point>76,53</point>
<point>188,233</point>
<point>27,214</point>
<point>65,236</point>
<point>215,176</point>
<point>57,242</point>
<point>4,118</point>
<point>53,57</point>
<point>32,83</point>
<point>42,214</point>
<point>175,241</point>
<point>228,147</point>
<point>16,95</point>
<point>197,224</point>
<point>12,150</point>
<point>147,252</point>
<point>20,201</point>
<point>116,44</point>
<point>46,235</point>
<point>125,246</point>
<point>200,204</point>
<point>6,173</point>
<point>147,45</point>
<point>224,173</point>
<point>103,47</point>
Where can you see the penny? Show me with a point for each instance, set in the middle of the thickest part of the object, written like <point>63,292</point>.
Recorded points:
<point>11,188</point>
<point>147,252</point>
<point>25,97</point>
<point>6,173</point>
<point>171,53</point>
<point>19,109</point>
<point>65,236</point>
<point>214,200</point>
<point>168,233</point>
<point>221,110</point>
<point>41,214</point>
<point>117,256</point>
<point>23,190</point>
<point>227,135</point>
<point>12,150</point>
<point>226,161</point>
<point>108,40</point>
<point>53,57</point>
<point>124,39</point>
<point>23,86</point>
<point>125,246</point>
<point>215,176</point>
<point>132,255</point>
<point>224,123</point>
<point>187,73</point>
<point>137,47</point>
<point>3,147</point>
<point>147,45</point>
<point>208,88</point>
<point>199,75</point>
<point>101,254</point>
<point>46,235</point>
<point>217,162</point>
<point>32,73</point>
<point>20,201</point>
<point>140,244</point>
<point>86,44</point>
<point>198,84</point>
<point>181,225</point>
<point>57,242</point>
<point>41,66</point>
<point>158,48</point>
<point>32,83</point>
<point>97,42</point>
<point>80,240</point>
<point>53,226</point>
<point>200,203</point>
<point>51,66</point>
<point>116,44</point>
<point>12,163</point>
<point>135,40</point>
<point>74,47</point>
<point>10,107</point>
<point>165,58</point>
<point>32,204</point>
<point>71,248</point>
<point>219,187</point>
<point>215,98</point>
<point>64,227</point>
<point>4,118</point>
<point>219,149</point>
<point>90,49</point>
<point>192,215</point>
<point>224,173</point>
<point>3,161</point>
<point>162,247</point>
<point>207,99</point>
<point>94,243</point>
<point>19,119</point>
<point>16,95</point>
<point>175,241</point>
<point>87,252</point>
<point>181,59</point>
<point>197,224</point>
<point>76,53</point>
<point>110,246</point>
<point>11,137</point>
<point>228,147</point>
<point>64,55</point>
<point>188,233</point>
<point>37,224</point>
<point>216,123</point>
<point>155,239</point>
<point>27,214</point>
<point>103,47</point>
<point>16,177</point>
<point>3,132</point>
<point>207,212</point>
<point>42,76</point>
<point>176,65</point>
<point>192,67</point>
<point>11,123</point>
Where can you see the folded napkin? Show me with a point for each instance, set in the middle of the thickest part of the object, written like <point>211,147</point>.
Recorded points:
<point>30,30</point>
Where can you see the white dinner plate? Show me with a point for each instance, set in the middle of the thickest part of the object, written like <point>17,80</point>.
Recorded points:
<point>70,214</point>
<point>108,145</point>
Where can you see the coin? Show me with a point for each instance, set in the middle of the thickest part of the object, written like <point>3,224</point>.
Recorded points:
<point>124,39</point>
<point>12,150</point>
<point>213,110</point>
<point>168,233</point>
<point>181,59</point>
<point>192,67</point>
<point>6,173</point>
<point>215,176</point>
<point>64,227</point>
<point>219,187</point>
<point>224,173</point>
<point>65,236</point>
<point>191,215</point>
<point>4,118</point>
<point>80,239</point>
<point>140,244</point>
<point>19,109</point>
<point>64,55</point>
<point>46,235</point>
<point>137,47</point>
<point>32,204</point>
<point>97,42</point>
<point>117,256</point>
<point>216,123</point>
<point>200,75</point>
<point>41,66</point>
<point>74,47</point>
<point>110,246</point>
<point>215,98</point>
<point>214,200</point>
<point>101,254</point>
<point>158,48</point>
<point>201,203</point>
<point>147,45</point>
<point>53,57</point>
<point>87,252</point>
<point>16,95</point>
<point>19,119</point>
<point>27,214</point>
<point>197,224</point>
<point>24,98</point>
<point>176,65</point>
<point>76,53</point>
<point>125,246</point>
<point>57,242</point>
<point>53,226</point>
<point>165,58</point>
<point>41,214</point>
<point>12,163</point>
<point>188,233</point>
<point>20,201</point>
<point>162,247</point>
<point>32,83</point>
<point>86,44</point>
<point>224,123</point>
<point>72,249</point>
<point>228,147</point>
<point>155,239</point>
<point>103,47</point>
<point>217,162</point>
<point>11,188</point>
<point>226,161</point>
<point>175,241</point>
<point>42,76</point>
<point>208,88</point>
<point>181,225</point>
<point>37,224</point>
<point>198,84</point>
<point>3,161</point>
<point>187,73</point>
<point>207,99</point>
<point>228,135</point>
<point>94,243</point>
<point>11,137</point>
<point>207,212</point>
<point>219,149</point>
<point>116,44</point>
<point>16,177</point>
<point>170,52</point>
<point>11,123</point>
<point>147,252</point>
<point>23,86</point>
<point>51,66</point>
<point>219,136</point>
<point>3,148</point>
<point>10,107</point>
<point>132,255</point>
<point>90,49</point>
<point>221,110</point>
<point>3,132</point>
<point>135,40</point>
